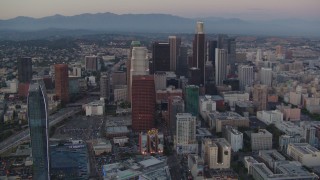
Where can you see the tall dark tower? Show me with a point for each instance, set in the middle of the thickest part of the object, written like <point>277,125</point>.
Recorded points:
<point>143,102</point>
<point>161,56</point>
<point>198,60</point>
<point>24,70</point>
<point>175,44</point>
<point>39,127</point>
<point>62,82</point>
<point>182,64</point>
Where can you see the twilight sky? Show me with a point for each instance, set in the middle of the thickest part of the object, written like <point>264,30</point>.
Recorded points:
<point>245,9</point>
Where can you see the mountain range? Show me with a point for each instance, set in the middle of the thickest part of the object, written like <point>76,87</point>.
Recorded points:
<point>159,23</point>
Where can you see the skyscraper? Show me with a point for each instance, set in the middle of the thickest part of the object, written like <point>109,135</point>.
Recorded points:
<point>128,65</point>
<point>24,70</point>
<point>231,49</point>
<point>245,75</point>
<point>260,94</point>
<point>104,87</point>
<point>143,102</point>
<point>211,51</point>
<point>182,64</point>
<point>221,66</point>
<point>62,82</point>
<point>174,43</point>
<point>192,99</point>
<point>139,65</point>
<point>91,63</point>
<point>259,55</point>
<point>175,106</point>
<point>161,56</point>
<point>39,130</point>
<point>186,129</point>
<point>266,76</point>
<point>198,59</point>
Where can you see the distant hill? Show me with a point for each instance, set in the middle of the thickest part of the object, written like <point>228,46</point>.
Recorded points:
<point>159,23</point>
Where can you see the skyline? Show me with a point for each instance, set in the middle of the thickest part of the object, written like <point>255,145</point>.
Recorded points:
<point>247,9</point>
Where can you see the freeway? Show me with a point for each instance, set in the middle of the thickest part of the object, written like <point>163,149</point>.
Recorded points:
<point>23,136</point>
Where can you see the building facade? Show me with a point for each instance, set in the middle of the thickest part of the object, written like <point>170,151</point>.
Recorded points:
<point>262,140</point>
<point>24,70</point>
<point>39,130</point>
<point>143,103</point>
<point>216,153</point>
<point>192,99</point>
<point>62,82</point>
<point>198,59</point>
<point>246,76</point>
<point>221,62</point>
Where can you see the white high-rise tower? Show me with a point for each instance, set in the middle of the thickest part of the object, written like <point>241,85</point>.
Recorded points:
<point>221,65</point>
<point>245,75</point>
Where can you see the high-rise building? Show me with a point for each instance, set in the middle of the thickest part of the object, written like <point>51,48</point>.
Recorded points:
<point>192,99</point>
<point>245,75</point>
<point>160,80</point>
<point>259,55</point>
<point>234,137</point>
<point>231,49</point>
<point>175,106</point>
<point>39,130</point>
<point>186,129</point>
<point>143,102</point>
<point>266,76</point>
<point>260,96</point>
<point>199,47</point>
<point>221,66</point>
<point>216,153</point>
<point>118,78</point>
<point>182,64</point>
<point>175,44</point>
<point>194,77</point>
<point>128,65</point>
<point>24,70</point>
<point>105,87</point>
<point>62,82</point>
<point>211,51</point>
<point>139,65</point>
<point>91,63</point>
<point>161,56</point>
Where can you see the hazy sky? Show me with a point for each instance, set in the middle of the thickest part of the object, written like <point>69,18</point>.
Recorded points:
<point>245,9</point>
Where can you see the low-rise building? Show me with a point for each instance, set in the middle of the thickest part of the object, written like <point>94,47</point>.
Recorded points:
<point>285,140</point>
<point>206,104</point>
<point>95,108</point>
<point>262,140</point>
<point>102,146</point>
<point>217,120</point>
<point>121,141</point>
<point>117,131</point>
<point>196,166</point>
<point>232,97</point>
<point>290,114</point>
<point>245,108</point>
<point>304,153</point>
<point>149,168</point>
<point>270,117</point>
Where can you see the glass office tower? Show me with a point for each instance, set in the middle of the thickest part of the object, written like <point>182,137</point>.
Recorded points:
<point>39,127</point>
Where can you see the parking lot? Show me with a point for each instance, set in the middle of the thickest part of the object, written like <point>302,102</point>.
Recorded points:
<point>80,128</point>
